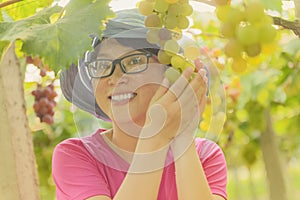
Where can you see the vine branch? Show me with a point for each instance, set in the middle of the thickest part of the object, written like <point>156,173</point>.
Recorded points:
<point>7,3</point>
<point>292,25</point>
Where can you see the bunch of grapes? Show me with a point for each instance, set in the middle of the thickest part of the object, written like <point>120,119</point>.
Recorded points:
<point>165,20</point>
<point>248,29</point>
<point>44,102</point>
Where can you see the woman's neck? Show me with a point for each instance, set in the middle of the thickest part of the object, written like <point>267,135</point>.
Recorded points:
<point>124,138</point>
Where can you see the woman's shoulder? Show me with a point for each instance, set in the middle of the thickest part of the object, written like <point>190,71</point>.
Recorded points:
<point>76,146</point>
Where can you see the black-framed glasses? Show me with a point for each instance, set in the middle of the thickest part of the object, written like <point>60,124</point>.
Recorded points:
<point>130,64</point>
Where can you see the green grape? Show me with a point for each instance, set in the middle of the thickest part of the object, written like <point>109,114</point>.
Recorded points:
<point>153,20</point>
<point>266,19</point>
<point>152,36</point>
<point>174,10</point>
<point>233,48</point>
<point>161,6</point>
<point>163,57</point>
<point>227,29</point>
<point>254,11</point>
<point>235,15</point>
<point>239,65</point>
<point>191,52</point>
<point>146,8</point>
<point>183,22</point>
<point>222,13</point>
<point>171,47</point>
<point>172,74</point>
<point>253,50</point>
<point>267,34</point>
<point>186,9</point>
<point>248,34</point>
<point>171,21</point>
<point>177,61</point>
<point>162,42</point>
<point>176,34</point>
<point>165,34</point>
<point>187,64</point>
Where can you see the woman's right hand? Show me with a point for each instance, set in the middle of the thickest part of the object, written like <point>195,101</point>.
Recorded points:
<point>175,110</point>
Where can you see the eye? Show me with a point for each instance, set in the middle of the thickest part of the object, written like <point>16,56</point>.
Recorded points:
<point>101,65</point>
<point>135,60</point>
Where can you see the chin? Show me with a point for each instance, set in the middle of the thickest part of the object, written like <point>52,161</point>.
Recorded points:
<point>132,126</point>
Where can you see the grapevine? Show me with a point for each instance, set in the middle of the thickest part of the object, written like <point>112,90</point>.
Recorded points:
<point>44,102</point>
<point>166,20</point>
<point>248,30</point>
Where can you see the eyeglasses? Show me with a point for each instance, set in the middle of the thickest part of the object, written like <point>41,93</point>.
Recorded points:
<point>130,64</point>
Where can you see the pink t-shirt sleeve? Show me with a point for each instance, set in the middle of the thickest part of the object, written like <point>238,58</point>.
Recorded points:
<point>75,172</point>
<point>214,165</point>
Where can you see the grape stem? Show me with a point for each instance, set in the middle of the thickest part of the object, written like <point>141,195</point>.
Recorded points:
<point>7,3</point>
<point>292,25</point>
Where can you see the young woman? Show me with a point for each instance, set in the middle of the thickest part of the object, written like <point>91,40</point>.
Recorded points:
<point>150,152</point>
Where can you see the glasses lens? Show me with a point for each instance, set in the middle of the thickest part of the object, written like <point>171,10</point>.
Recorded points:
<point>135,63</point>
<point>100,68</point>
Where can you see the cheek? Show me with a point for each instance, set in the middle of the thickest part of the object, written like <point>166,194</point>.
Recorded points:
<point>99,89</point>
<point>154,73</point>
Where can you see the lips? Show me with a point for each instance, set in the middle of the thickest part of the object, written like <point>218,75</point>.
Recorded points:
<point>122,97</point>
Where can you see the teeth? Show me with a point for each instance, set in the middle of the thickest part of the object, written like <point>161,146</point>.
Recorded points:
<point>122,97</point>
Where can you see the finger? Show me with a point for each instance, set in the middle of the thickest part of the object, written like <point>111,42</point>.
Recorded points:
<point>196,88</point>
<point>200,88</point>
<point>163,88</point>
<point>198,64</point>
<point>179,85</point>
<point>191,100</point>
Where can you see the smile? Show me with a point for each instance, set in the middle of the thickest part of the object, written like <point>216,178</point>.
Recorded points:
<point>122,97</point>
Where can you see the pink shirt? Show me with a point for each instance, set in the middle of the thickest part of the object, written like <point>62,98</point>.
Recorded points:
<point>79,175</point>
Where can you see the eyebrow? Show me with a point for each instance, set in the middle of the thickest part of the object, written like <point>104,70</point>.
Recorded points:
<point>106,55</point>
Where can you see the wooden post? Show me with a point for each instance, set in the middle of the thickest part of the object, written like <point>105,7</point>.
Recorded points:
<point>18,173</point>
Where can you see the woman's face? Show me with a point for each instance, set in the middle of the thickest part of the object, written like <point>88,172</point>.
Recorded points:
<point>125,97</point>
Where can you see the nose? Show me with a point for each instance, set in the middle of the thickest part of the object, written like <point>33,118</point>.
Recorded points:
<point>118,76</point>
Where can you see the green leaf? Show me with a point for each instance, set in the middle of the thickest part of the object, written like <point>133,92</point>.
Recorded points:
<point>5,16</point>
<point>273,4</point>
<point>59,44</point>
<point>76,5</point>
<point>11,31</point>
<point>25,8</point>
<point>63,42</point>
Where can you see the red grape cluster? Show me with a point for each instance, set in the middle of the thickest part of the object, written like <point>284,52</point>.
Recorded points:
<point>44,102</point>
<point>43,96</point>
